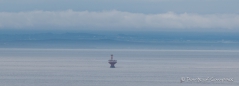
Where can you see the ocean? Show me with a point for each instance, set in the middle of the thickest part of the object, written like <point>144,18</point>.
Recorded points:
<point>135,67</point>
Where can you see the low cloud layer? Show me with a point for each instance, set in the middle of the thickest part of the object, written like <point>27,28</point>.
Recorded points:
<point>116,19</point>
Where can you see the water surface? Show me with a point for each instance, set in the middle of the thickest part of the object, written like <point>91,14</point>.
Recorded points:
<point>89,67</point>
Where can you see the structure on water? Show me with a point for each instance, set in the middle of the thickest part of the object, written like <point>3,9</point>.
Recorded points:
<point>112,62</point>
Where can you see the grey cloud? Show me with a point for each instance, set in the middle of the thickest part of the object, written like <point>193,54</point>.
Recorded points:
<point>116,19</point>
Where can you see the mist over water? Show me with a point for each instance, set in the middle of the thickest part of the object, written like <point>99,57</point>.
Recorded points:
<point>135,67</point>
<point>144,58</point>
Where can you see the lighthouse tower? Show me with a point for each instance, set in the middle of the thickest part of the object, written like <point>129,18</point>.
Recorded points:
<point>112,62</point>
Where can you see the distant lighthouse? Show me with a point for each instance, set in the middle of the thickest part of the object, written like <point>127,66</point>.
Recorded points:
<point>112,62</point>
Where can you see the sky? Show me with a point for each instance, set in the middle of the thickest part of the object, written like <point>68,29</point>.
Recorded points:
<point>126,15</point>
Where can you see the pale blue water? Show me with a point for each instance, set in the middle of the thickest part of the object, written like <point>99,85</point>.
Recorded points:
<point>89,67</point>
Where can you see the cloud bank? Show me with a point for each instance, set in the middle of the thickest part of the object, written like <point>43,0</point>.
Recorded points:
<point>116,19</point>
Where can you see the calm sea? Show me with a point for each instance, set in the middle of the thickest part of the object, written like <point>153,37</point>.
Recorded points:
<point>89,67</point>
